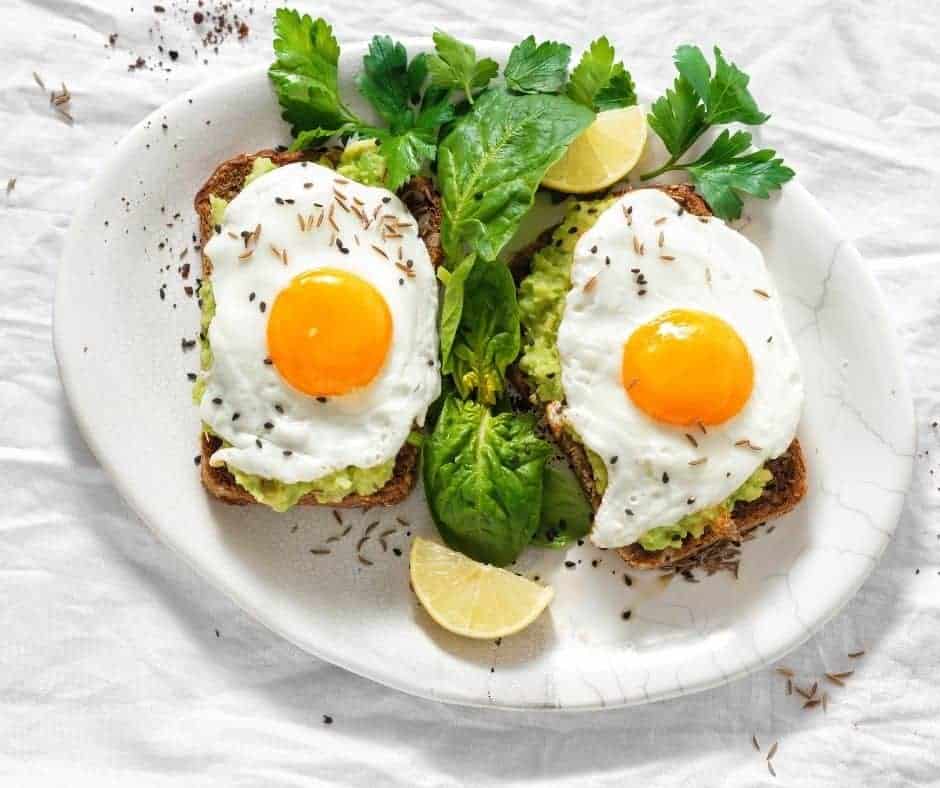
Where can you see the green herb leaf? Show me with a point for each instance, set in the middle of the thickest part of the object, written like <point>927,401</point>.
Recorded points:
<point>541,68</point>
<point>491,164</point>
<point>729,100</point>
<point>384,81</point>
<point>483,480</point>
<point>691,64</point>
<point>487,337</point>
<point>452,308</point>
<point>678,117</point>
<point>600,83</point>
<point>722,172</point>
<point>456,66</point>
<point>304,74</point>
<point>565,513</point>
<point>312,138</point>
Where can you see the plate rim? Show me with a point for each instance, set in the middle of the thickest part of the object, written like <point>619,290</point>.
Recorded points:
<point>68,370</point>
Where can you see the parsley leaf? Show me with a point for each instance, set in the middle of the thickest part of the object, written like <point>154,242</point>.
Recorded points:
<point>699,100</point>
<point>600,83</point>
<point>406,153</point>
<point>724,170</point>
<point>456,66</point>
<point>678,117</point>
<point>491,164</point>
<point>726,97</point>
<point>384,81</point>
<point>537,69</point>
<point>304,74</point>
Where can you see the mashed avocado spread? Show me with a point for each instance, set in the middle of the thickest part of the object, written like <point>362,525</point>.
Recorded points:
<point>541,306</point>
<point>362,162</point>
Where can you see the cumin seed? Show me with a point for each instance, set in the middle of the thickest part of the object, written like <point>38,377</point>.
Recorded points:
<point>661,239</point>
<point>319,551</point>
<point>789,687</point>
<point>761,293</point>
<point>770,768</point>
<point>773,750</point>
<point>856,654</point>
<point>699,461</point>
<point>589,285</point>
<point>371,527</point>
<point>692,440</point>
<point>337,517</point>
<point>361,542</point>
<point>11,185</point>
<point>844,674</point>
<point>668,258</point>
<point>811,704</point>
<point>754,742</point>
<point>379,250</point>
<point>363,560</point>
<point>785,672</point>
<point>660,220</point>
<point>39,81</point>
<point>835,679</point>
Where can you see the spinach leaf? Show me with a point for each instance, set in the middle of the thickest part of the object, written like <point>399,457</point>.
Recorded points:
<point>483,480</point>
<point>452,307</point>
<point>566,514</point>
<point>490,165</point>
<point>487,338</point>
<point>537,69</point>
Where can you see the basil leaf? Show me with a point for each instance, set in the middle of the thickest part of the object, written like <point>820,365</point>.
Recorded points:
<point>490,165</point>
<point>541,68</point>
<point>483,480</point>
<point>565,514</point>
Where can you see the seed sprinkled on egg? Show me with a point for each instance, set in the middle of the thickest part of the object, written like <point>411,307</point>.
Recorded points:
<point>692,440</point>
<point>699,461</point>
<point>379,250</point>
<point>667,258</point>
<point>665,478</point>
<point>761,293</point>
<point>660,220</point>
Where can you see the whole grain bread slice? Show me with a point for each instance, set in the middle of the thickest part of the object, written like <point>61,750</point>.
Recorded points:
<point>226,182</point>
<point>779,496</point>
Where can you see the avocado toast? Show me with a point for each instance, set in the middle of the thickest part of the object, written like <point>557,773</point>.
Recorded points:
<point>729,523</point>
<point>225,183</point>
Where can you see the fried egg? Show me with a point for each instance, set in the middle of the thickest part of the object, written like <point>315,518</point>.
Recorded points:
<point>677,367</point>
<point>324,341</point>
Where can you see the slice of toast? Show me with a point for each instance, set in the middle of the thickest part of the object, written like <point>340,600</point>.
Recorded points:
<point>779,497</point>
<point>423,201</point>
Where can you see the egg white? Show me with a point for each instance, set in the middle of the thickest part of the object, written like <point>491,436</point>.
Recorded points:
<point>311,438</point>
<point>716,270</point>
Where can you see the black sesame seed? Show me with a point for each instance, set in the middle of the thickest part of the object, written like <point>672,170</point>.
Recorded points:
<point>279,408</point>
<point>287,452</point>
<point>593,250</point>
<point>396,550</point>
<point>188,344</point>
<point>174,54</point>
<point>216,400</point>
<point>197,459</point>
<point>268,362</point>
<point>626,615</point>
<point>641,292</point>
<point>218,229</point>
<point>289,201</point>
<point>235,416</point>
<point>386,200</point>
<point>570,564</point>
<point>191,375</point>
<point>262,306</point>
<point>628,580</point>
<point>401,281</point>
<point>251,296</point>
<point>308,185</point>
<point>690,500</point>
<point>327,719</point>
<point>321,399</point>
<point>629,512</point>
<point>430,362</point>
<point>269,425</point>
<point>594,563</point>
<point>279,200</point>
<point>613,460</point>
<point>665,478</point>
<point>572,230</point>
<point>258,442</point>
<point>606,261</point>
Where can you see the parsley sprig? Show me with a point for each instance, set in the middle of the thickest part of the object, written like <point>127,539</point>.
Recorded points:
<point>699,100</point>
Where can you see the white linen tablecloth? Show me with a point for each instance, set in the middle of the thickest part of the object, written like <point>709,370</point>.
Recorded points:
<point>119,666</point>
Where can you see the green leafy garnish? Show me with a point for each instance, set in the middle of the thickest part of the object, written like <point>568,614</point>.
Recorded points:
<point>486,338</point>
<point>305,79</point>
<point>565,514</point>
<point>699,100</point>
<point>600,83</point>
<point>304,74</point>
<point>483,479</point>
<point>541,68</point>
<point>491,164</point>
<point>455,65</point>
<point>724,170</point>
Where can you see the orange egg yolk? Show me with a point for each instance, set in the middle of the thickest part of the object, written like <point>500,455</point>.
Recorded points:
<point>329,332</point>
<point>687,367</point>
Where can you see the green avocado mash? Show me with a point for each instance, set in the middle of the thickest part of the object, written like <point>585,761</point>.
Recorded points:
<point>361,162</point>
<point>542,299</point>
<point>217,208</point>
<point>695,524</point>
<point>328,489</point>
<point>259,167</point>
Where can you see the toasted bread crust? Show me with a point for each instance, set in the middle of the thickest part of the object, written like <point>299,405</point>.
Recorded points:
<point>423,201</point>
<point>779,497</point>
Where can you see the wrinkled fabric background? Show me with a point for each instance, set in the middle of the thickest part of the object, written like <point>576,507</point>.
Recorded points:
<point>119,666</point>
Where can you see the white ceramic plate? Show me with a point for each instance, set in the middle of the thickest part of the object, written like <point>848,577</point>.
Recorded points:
<point>119,353</point>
